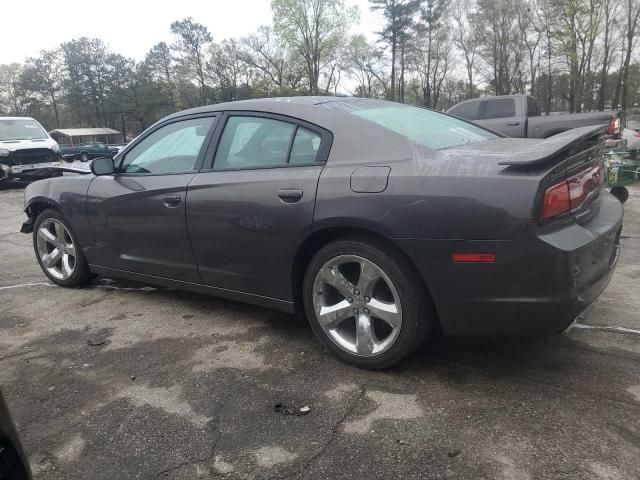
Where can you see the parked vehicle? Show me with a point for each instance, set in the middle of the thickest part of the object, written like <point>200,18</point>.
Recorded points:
<point>518,116</point>
<point>13,462</point>
<point>87,151</point>
<point>26,149</point>
<point>632,138</point>
<point>378,220</point>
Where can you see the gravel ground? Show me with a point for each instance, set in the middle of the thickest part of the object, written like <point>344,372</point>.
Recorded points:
<point>121,380</point>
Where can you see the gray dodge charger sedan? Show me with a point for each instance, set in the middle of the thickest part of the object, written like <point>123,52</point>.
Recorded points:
<point>378,221</point>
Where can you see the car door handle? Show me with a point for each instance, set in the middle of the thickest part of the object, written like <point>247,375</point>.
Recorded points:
<point>514,124</point>
<point>290,195</point>
<point>171,201</point>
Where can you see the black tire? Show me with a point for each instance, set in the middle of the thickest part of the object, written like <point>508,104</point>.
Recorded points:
<point>81,274</point>
<point>84,157</point>
<point>418,314</point>
<point>621,193</point>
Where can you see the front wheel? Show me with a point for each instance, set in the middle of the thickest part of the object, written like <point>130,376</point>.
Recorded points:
<point>366,303</point>
<point>84,157</point>
<point>58,251</point>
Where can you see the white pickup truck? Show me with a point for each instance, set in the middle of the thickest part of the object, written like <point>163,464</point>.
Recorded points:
<point>518,116</point>
<point>27,151</point>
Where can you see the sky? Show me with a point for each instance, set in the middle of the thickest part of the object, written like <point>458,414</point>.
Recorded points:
<point>132,27</point>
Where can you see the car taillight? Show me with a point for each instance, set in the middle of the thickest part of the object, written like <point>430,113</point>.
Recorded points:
<point>569,194</point>
<point>614,127</point>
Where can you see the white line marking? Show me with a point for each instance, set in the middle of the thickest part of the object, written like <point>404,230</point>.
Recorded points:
<point>610,329</point>
<point>28,285</point>
<point>111,287</point>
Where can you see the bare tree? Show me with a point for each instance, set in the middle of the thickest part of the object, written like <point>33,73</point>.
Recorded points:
<point>632,15</point>
<point>314,29</point>
<point>367,64</point>
<point>465,37</point>
<point>191,40</point>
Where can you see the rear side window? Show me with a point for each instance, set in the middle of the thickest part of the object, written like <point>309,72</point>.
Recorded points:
<point>532,107</point>
<point>468,111</point>
<point>257,142</point>
<point>305,147</point>
<point>432,129</point>
<point>500,108</point>
<point>253,142</point>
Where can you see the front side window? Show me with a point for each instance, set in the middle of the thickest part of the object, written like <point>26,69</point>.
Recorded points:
<point>468,111</point>
<point>500,108</point>
<point>254,142</point>
<point>173,148</point>
<point>432,129</point>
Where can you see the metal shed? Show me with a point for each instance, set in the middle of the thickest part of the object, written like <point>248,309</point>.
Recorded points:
<point>74,136</point>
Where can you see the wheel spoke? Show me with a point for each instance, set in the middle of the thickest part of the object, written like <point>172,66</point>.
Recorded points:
<point>66,265</point>
<point>387,312</point>
<point>365,339</point>
<point>59,228</point>
<point>369,276</point>
<point>50,259</point>
<point>334,277</point>
<point>331,316</point>
<point>46,235</point>
<point>71,249</point>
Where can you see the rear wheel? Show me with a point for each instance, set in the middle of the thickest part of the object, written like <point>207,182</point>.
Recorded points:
<point>58,251</point>
<point>365,303</point>
<point>84,157</point>
<point>621,193</point>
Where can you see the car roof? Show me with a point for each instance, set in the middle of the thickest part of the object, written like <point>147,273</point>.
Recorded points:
<point>17,118</point>
<point>355,139</point>
<point>320,108</point>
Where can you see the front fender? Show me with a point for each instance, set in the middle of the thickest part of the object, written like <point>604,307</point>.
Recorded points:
<point>66,194</point>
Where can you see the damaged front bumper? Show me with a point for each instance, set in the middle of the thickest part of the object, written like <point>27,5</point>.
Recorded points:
<point>41,169</point>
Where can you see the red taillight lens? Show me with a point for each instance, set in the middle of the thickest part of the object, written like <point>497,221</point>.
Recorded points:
<point>570,193</point>
<point>583,183</point>
<point>614,127</point>
<point>556,200</point>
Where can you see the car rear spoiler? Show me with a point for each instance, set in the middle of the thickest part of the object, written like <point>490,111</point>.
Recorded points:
<point>551,147</point>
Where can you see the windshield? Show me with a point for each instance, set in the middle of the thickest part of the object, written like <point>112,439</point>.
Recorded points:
<point>21,129</point>
<point>432,129</point>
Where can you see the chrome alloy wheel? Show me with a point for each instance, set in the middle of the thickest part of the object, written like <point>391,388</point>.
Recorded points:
<point>56,249</point>
<point>357,305</point>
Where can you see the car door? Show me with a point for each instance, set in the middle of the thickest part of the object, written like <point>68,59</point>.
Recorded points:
<point>501,115</point>
<point>137,215</point>
<point>251,209</point>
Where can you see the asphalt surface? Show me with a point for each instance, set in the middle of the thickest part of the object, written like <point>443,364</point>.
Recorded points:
<point>120,380</point>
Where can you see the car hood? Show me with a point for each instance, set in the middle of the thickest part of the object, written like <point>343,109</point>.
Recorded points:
<point>13,145</point>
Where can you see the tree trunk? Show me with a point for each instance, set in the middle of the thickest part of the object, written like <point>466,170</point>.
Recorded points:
<point>393,67</point>
<point>402,72</point>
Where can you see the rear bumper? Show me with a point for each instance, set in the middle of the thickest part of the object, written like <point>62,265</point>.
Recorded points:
<point>538,284</point>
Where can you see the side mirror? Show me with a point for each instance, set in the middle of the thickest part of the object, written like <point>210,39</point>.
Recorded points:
<point>102,166</point>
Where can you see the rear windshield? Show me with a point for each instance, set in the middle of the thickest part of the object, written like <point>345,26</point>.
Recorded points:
<point>21,129</point>
<point>432,129</point>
